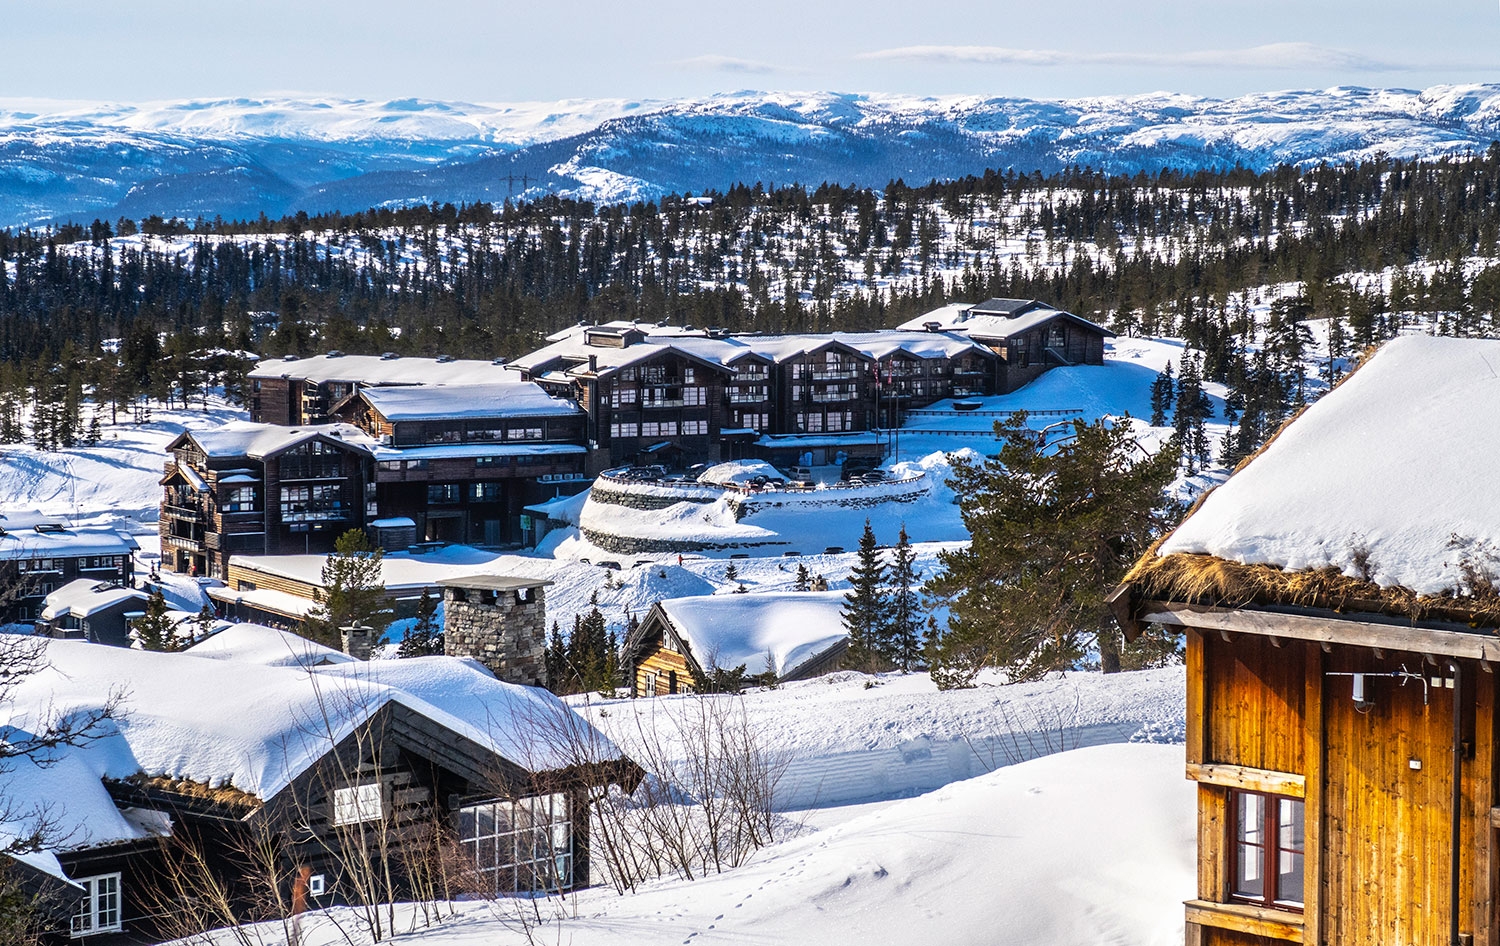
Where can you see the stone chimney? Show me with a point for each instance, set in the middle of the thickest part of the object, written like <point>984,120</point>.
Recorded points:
<point>357,639</point>
<point>500,622</point>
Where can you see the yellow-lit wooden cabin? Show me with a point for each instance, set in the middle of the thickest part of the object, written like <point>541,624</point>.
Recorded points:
<point>1341,627</point>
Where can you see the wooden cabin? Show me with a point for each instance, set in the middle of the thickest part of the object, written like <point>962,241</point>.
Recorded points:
<point>793,635</point>
<point>341,767</point>
<point>1342,626</point>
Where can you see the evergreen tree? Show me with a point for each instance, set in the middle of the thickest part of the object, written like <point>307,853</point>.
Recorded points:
<point>1193,408</point>
<point>203,624</point>
<point>1163,392</point>
<point>352,592</point>
<point>903,645</point>
<point>426,635</point>
<point>555,660</point>
<point>731,572</point>
<point>1054,529</point>
<point>804,578</point>
<point>866,607</point>
<point>154,630</point>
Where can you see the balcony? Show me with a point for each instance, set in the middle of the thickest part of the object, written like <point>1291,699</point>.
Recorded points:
<point>179,511</point>
<point>841,374</point>
<point>313,512</point>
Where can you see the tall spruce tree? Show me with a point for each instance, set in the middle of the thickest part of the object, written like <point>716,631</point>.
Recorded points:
<point>866,607</point>
<point>1054,529</point>
<point>903,645</point>
<point>352,592</point>
<point>154,629</point>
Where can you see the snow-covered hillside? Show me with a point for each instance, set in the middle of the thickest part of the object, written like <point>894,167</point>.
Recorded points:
<point>239,157</point>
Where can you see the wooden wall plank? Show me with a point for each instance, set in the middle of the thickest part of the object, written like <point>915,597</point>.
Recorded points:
<point>1313,810</point>
<point>1248,779</point>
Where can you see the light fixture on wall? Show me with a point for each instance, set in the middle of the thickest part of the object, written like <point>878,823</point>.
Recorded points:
<point>1360,690</point>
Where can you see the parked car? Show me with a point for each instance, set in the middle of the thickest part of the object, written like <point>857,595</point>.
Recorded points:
<point>610,564</point>
<point>801,476</point>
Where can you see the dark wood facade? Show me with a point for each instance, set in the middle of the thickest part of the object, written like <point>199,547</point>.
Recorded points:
<point>36,563</point>
<point>485,470</point>
<point>297,498</point>
<point>1025,354</point>
<point>378,808</point>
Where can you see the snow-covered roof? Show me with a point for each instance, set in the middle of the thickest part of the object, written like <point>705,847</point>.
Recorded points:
<point>511,398</point>
<point>86,596</point>
<point>561,508</point>
<point>249,725</point>
<point>68,543</point>
<point>1390,472</point>
<point>994,318</point>
<point>398,570</point>
<point>808,441</point>
<point>266,646</point>
<point>264,599</point>
<point>243,438</point>
<point>374,370</point>
<point>918,344</point>
<point>732,629</point>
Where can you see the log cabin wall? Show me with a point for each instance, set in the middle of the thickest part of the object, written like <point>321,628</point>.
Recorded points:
<point>1378,826</point>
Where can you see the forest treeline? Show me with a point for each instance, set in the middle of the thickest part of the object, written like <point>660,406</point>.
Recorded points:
<point>157,306</point>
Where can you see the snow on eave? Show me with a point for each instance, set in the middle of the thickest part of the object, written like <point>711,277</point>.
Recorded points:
<point>734,629</point>
<point>1383,480</point>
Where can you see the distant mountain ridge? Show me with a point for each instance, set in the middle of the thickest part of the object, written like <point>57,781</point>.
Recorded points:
<point>237,158</point>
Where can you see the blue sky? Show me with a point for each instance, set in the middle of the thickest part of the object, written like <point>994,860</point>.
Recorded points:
<point>478,51</point>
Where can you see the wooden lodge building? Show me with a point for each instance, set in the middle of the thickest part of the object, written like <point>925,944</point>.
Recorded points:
<point>260,489</point>
<point>461,461</point>
<point>1343,628</point>
<point>1027,336</point>
<point>348,770</point>
<point>39,555</point>
<point>293,392</point>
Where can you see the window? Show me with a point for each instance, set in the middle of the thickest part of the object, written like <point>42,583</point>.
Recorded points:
<point>491,461</point>
<point>416,464</point>
<point>239,499</point>
<point>524,433</point>
<point>389,466</point>
<point>692,428</point>
<point>623,396</point>
<point>99,910</point>
<point>1267,849</point>
<point>624,430</point>
<point>442,493</point>
<point>484,492</point>
<point>523,845</point>
<point>694,396</point>
<point>357,804</point>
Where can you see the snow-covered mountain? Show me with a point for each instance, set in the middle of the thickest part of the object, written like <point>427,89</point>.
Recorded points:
<point>241,157</point>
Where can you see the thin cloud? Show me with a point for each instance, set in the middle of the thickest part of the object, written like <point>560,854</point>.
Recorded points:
<point>1274,56</point>
<point>731,64</point>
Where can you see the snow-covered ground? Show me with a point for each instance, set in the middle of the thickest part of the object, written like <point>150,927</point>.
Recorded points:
<point>1094,844</point>
<point>849,738</point>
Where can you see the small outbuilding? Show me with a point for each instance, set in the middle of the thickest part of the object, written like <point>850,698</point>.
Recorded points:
<point>793,635</point>
<point>97,611</point>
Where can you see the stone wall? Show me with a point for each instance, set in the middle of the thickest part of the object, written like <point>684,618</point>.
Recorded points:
<point>501,629</point>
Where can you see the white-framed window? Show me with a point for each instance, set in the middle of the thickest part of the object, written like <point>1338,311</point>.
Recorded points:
<point>522,845</point>
<point>624,430</point>
<point>99,910</point>
<point>357,803</point>
<point>695,396</point>
<point>650,429</point>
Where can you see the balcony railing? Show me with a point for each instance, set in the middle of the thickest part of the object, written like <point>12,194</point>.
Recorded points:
<point>313,512</point>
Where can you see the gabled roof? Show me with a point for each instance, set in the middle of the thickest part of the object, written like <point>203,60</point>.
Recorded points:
<point>728,630</point>
<point>252,725</point>
<point>243,438</point>
<point>1388,477</point>
<point>511,398</point>
<point>83,597</point>
<point>996,319</point>
<point>67,543</point>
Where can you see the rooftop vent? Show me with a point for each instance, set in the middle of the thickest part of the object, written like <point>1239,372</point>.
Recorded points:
<point>389,356</point>
<point>46,527</point>
<point>932,326</point>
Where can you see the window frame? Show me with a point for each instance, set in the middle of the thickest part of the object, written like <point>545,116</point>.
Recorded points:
<point>90,910</point>
<point>1271,849</point>
<point>352,804</point>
